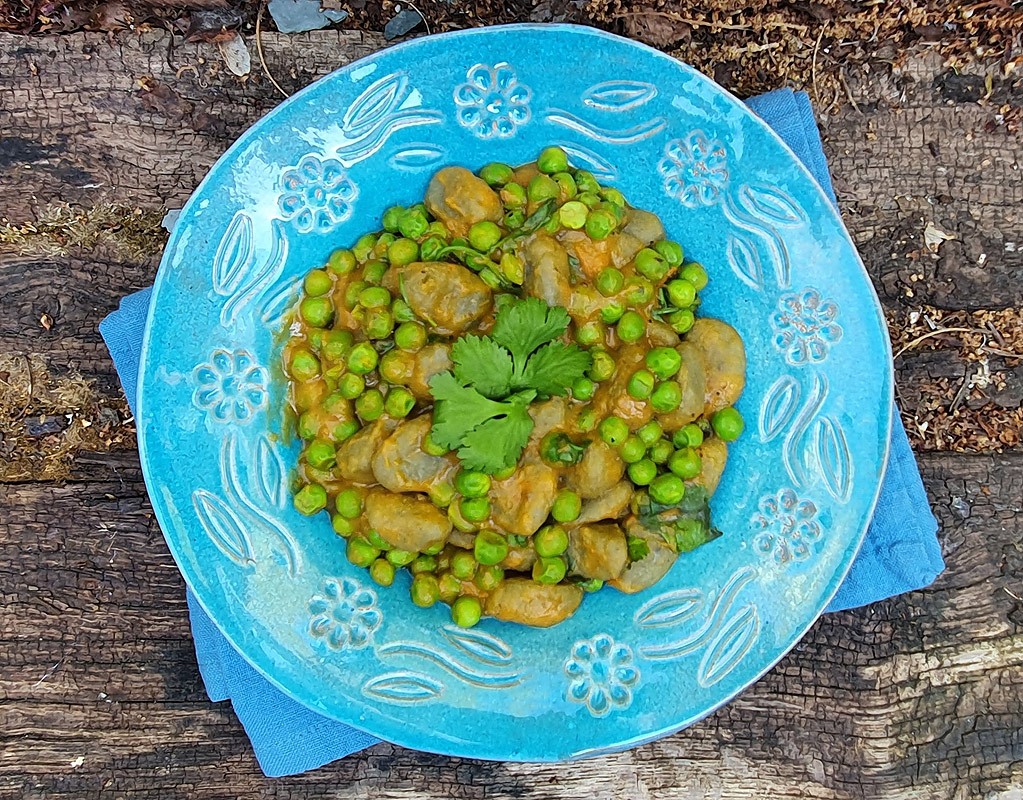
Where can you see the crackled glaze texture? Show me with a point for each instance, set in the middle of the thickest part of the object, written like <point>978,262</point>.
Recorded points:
<point>319,171</point>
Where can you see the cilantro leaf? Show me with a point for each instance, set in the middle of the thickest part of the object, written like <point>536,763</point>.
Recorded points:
<point>638,548</point>
<point>555,367</point>
<point>483,363</point>
<point>497,443</point>
<point>525,325</point>
<point>458,409</point>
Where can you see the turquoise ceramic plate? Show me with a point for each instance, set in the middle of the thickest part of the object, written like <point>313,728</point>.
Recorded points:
<point>319,170</point>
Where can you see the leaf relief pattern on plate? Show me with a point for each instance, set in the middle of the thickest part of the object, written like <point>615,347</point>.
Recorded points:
<point>619,96</point>
<point>403,687</point>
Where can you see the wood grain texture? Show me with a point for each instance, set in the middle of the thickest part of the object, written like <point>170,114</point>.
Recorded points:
<point>100,697</point>
<point>910,698</point>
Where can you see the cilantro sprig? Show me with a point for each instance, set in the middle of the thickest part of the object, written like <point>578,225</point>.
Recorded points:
<point>480,407</point>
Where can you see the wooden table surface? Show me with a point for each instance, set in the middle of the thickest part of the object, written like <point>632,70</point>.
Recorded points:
<point>916,697</point>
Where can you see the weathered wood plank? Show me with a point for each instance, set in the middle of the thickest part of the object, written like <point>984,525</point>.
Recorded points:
<point>909,698</point>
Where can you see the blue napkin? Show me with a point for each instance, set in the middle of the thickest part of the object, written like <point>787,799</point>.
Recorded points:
<point>900,554</point>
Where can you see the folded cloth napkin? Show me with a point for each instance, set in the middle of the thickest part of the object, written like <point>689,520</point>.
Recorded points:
<point>900,554</point>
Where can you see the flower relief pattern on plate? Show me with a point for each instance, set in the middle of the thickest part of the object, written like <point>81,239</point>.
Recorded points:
<point>316,194</point>
<point>345,615</point>
<point>492,103</point>
<point>602,674</point>
<point>695,170</point>
<point>725,636</point>
<point>230,387</point>
<point>805,327</point>
<point>787,527</point>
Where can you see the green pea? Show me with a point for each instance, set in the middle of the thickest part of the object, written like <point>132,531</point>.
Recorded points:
<point>650,265</point>
<point>490,547</point>
<point>352,292</point>
<point>583,389</point>
<point>586,182</point>
<point>484,235</point>
<point>351,385</point>
<point>374,271</point>
<point>378,541</point>
<point>549,570</point>
<point>496,174</point>
<point>472,484</point>
<point>666,397</point>
<point>586,421</point>
<point>361,553</point>
<point>315,339</point>
<point>402,312</point>
<point>505,473</point>
<point>640,291</point>
<point>573,215</point>
<point>611,313</point>
<point>641,384</point>
<point>612,195</point>
<point>310,499</point>
<point>391,217</point>
<point>431,448</point>
<point>588,199</point>
<point>685,463</point>
<point>667,489</point>
<point>442,494</point>
<point>423,563</point>
<point>728,424</point>
<point>364,246</point>
<point>341,262</point>
<point>690,435</point>
<point>431,247</point>
<point>695,274</point>
<point>514,196</point>
<point>317,311</point>
<point>664,362</point>
<point>303,365</point>
<point>344,431</point>
<point>370,405</point>
<point>320,454</point>
<point>401,558</point>
<point>650,432</point>
<point>399,403</point>
<point>551,160</point>
<point>542,187</point>
<point>449,587</point>
<point>614,431</point>
<point>566,186</point>
<point>489,577</point>
<point>397,366</point>
<point>631,327</point>
<point>567,505</point>
<point>374,297</point>
<point>384,241</point>
<point>551,540</point>
<point>425,590</point>
<point>336,345</point>
<point>413,224</point>
<point>670,251</point>
<point>317,282</point>
<point>642,472</point>
<point>661,452</point>
<point>349,503</point>
<point>402,252</point>
<point>602,366</point>
<point>307,425</point>
<point>632,450</point>
<point>466,611</point>
<point>342,527</point>
<point>600,224</point>
<point>463,565</point>
<point>363,359</point>
<point>681,293</point>
<point>591,585</point>
<point>681,321</point>
<point>382,572</point>
<point>513,269</point>
<point>590,333</point>
<point>610,281</point>
<point>474,509</point>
